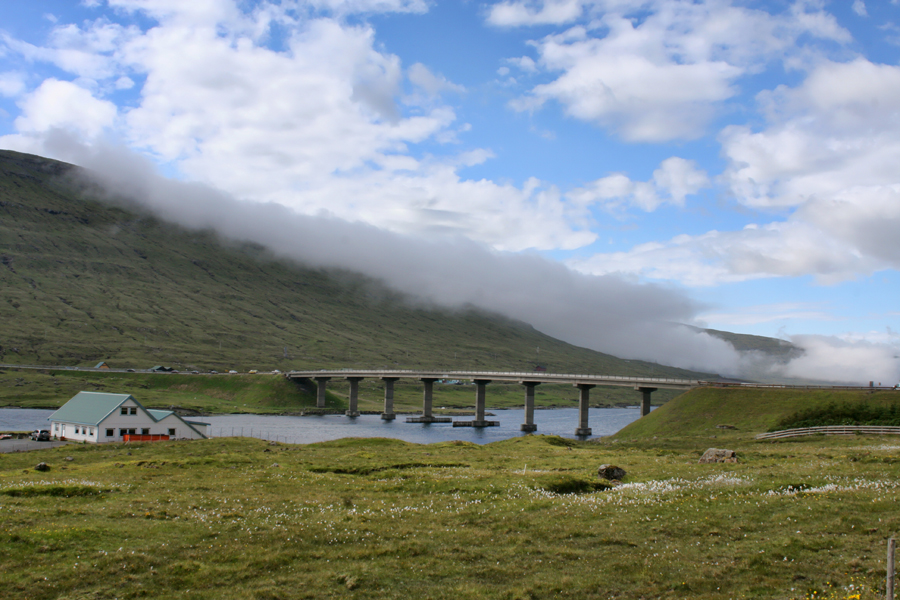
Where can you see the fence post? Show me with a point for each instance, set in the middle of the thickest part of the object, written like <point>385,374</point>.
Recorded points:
<point>889,584</point>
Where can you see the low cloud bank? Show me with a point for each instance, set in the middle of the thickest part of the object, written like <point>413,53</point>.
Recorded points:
<point>607,313</point>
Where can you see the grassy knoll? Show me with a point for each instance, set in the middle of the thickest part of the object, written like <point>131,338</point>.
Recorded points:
<point>240,518</point>
<point>261,394</point>
<point>699,411</point>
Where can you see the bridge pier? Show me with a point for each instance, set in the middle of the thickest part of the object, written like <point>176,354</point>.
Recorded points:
<point>645,399</point>
<point>529,426</point>
<point>479,421</point>
<point>320,391</point>
<point>353,411</point>
<point>427,395</point>
<point>388,414</point>
<point>584,397</point>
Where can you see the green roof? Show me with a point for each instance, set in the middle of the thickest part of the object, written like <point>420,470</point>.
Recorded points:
<point>159,415</point>
<point>89,408</point>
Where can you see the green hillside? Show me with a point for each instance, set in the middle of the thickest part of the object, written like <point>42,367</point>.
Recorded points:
<point>82,281</point>
<point>751,410</point>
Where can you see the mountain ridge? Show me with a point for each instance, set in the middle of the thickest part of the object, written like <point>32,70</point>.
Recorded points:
<point>84,280</point>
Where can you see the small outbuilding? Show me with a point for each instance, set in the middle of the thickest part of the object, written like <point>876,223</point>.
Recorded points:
<point>99,417</point>
<point>101,365</point>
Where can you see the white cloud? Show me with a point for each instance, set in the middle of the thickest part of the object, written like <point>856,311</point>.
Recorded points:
<point>11,84</point>
<point>514,14</point>
<point>859,7</point>
<point>828,157</point>
<point>768,313</point>
<point>317,126</point>
<point>829,358</point>
<point>63,105</point>
<point>433,85</point>
<point>672,182</point>
<point>663,76</point>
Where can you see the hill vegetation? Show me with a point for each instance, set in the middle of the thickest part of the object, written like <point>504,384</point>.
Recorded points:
<point>700,411</point>
<point>83,281</point>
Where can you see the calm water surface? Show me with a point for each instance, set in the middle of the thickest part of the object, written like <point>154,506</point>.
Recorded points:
<point>304,430</point>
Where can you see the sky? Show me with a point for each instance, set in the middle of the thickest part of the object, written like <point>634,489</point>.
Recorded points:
<point>603,169</point>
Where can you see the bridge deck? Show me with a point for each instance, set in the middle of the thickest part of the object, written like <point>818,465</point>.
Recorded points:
<point>530,376</point>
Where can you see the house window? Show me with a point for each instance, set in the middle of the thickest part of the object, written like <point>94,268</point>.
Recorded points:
<point>131,431</point>
<point>91,431</point>
<point>145,432</point>
<point>76,430</point>
<point>134,410</point>
<point>123,432</point>
<point>124,410</point>
<point>171,432</point>
<point>110,432</point>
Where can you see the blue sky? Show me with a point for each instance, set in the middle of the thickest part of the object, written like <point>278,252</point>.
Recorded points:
<point>740,155</point>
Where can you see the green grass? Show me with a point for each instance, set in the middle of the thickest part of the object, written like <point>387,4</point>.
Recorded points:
<point>261,394</point>
<point>699,411</point>
<point>83,281</point>
<point>845,413</point>
<point>523,518</point>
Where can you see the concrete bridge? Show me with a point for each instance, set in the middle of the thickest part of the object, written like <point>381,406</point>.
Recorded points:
<point>530,380</point>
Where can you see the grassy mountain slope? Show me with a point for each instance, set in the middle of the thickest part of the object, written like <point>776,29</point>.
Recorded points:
<point>82,281</point>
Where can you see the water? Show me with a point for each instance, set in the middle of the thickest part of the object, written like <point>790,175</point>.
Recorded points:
<point>24,419</point>
<point>305,430</point>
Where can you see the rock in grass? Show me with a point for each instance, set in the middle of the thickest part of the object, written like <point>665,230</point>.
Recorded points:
<point>718,455</point>
<point>42,467</point>
<point>611,472</point>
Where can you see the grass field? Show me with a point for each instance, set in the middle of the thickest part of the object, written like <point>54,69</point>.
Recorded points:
<point>700,411</point>
<point>241,518</point>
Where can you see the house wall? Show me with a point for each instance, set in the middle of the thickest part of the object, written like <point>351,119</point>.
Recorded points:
<point>182,430</point>
<point>74,432</point>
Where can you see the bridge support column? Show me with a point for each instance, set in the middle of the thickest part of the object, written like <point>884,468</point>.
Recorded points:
<point>480,385</point>
<point>645,399</point>
<point>320,391</point>
<point>353,411</point>
<point>529,426</point>
<point>388,414</point>
<point>427,416</point>
<point>584,398</point>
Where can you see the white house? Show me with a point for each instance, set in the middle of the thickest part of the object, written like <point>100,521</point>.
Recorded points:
<point>99,417</point>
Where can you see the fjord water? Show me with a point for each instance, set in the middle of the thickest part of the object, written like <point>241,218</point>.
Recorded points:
<point>305,430</point>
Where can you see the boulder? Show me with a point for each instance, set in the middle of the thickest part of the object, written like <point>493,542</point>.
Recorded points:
<point>718,455</point>
<point>611,472</point>
<point>42,467</point>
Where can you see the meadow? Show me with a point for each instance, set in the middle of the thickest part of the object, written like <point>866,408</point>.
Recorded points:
<point>523,518</point>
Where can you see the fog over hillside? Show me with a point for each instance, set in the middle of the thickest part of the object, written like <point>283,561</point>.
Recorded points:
<point>610,313</point>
